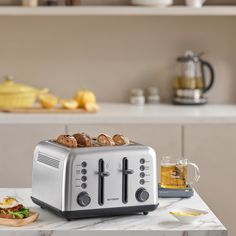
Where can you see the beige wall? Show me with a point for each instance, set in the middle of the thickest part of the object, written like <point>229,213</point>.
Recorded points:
<point>114,54</point>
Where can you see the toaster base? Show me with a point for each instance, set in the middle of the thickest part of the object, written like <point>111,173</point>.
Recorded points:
<point>70,215</point>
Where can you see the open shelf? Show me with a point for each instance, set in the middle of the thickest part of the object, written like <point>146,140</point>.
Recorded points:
<point>118,11</point>
<point>124,113</point>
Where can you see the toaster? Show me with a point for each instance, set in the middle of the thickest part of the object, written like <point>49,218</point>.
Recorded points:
<point>94,181</point>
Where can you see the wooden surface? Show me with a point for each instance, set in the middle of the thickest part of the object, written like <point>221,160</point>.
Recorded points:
<point>39,110</point>
<point>19,222</point>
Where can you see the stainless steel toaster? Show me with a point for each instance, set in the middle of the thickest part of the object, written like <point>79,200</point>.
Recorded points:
<point>94,181</point>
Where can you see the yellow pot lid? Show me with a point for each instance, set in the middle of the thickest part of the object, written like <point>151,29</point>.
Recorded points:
<point>9,86</point>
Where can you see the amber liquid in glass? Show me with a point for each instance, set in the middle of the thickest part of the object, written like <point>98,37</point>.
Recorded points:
<point>183,82</point>
<point>173,176</point>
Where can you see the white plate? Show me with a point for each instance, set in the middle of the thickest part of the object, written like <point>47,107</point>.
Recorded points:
<point>187,219</point>
<point>159,3</point>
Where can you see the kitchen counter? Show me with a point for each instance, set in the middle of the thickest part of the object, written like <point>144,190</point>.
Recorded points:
<point>118,113</point>
<point>158,222</point>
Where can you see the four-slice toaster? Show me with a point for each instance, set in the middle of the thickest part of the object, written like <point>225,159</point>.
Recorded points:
<point>94,181</point>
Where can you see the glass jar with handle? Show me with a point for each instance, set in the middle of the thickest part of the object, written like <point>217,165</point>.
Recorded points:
<point>174,173</point>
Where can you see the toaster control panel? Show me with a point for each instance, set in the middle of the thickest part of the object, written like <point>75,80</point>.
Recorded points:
<point>113,179</point>
<point>81,175</point>
<point>83,198</point>
<point>144,171</point>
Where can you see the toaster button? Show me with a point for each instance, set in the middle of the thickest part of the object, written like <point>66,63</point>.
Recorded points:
<point>142,161</point>
<point>84,178</point>
<point>142,195</point>
<point>142,181</point>
<point>142,168</point>
<point>142,175</point>
<point>83,185</point>
<point>83,171</point>
<point>84,164</point>
<point>83,199</point>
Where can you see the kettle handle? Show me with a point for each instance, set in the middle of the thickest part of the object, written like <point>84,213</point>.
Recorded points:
<point>212,75</point>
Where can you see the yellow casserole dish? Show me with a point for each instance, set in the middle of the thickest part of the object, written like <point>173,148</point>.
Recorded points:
<point>13,95</point>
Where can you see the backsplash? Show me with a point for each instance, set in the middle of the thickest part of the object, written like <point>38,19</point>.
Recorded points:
<point>111,55</point>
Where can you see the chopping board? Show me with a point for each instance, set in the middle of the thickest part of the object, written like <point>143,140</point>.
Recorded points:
<point>39,110</point>
<point>20,222</point>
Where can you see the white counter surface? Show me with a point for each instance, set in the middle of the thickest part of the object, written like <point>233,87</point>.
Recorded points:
<point>115,113</point>
<point>158,222</point>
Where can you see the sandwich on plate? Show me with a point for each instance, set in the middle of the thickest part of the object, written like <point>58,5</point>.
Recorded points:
<point>14,213</point>
<point>10,208</point>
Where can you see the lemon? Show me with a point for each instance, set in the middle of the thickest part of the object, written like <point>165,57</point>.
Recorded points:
<point>85,96</point>
<point>92,107</point>
<point>48,100</point>
<point>70,104</point>
<point>186,213</point>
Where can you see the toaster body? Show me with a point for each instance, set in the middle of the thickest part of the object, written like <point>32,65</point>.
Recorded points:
<point>98,181</point>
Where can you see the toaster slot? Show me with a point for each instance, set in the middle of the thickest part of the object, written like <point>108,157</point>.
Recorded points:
<point>100,182</point>
<point>101,175</point>
<point>124,181</point>
<point>125,172</point>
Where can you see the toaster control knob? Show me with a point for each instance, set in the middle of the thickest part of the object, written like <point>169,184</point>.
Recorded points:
<point>142,195</point>
<point>83,199</point>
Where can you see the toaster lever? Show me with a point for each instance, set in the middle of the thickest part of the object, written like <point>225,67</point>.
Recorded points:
<point>103,174</point>
<point>128,172</point>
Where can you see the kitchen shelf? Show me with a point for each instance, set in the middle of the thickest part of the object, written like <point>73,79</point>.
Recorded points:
<point>124,113</point>
<point>117,11</point>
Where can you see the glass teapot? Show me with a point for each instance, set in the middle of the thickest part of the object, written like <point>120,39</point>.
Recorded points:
<point>191,73</point>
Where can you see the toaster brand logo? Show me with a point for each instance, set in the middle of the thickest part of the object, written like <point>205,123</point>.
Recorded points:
<point>113,199</point>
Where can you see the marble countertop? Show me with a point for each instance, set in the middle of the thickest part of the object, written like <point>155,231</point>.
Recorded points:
<point>158,222</point>
<point>118,113</point>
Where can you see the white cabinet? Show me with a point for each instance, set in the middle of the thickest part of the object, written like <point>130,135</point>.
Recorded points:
<point>213,148</point>
<point>165,139</point>
<point>17,143</point>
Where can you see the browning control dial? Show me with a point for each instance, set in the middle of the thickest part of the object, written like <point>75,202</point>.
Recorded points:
<point>142,195</point>
<point>83,199</point>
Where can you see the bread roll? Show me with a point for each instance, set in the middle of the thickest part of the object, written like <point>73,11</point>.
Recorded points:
<point>105,140</point>
<point>120,139</point>
<point>67,140</point>
<point>83,140</point>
